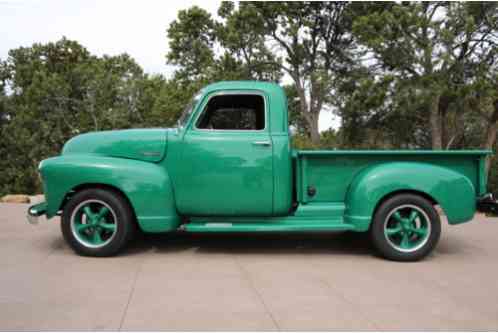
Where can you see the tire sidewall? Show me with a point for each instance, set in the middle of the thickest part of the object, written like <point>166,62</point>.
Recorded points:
<point>124,222</point>
<point>377,229</point>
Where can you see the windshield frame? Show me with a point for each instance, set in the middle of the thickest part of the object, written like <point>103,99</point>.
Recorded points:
<point>188,110</point>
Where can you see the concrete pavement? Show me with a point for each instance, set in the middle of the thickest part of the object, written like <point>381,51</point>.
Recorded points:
<point>245,282</point>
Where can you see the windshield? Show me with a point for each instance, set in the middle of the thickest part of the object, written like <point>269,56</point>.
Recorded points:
<point>182,121</point>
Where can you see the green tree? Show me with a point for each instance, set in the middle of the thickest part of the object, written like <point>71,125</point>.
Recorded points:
<point>51,92</point>
<point>170,100</point>
<point>191,42</point>
<point>430,48</point>
<point>317,47</point>
<point>311,42</point>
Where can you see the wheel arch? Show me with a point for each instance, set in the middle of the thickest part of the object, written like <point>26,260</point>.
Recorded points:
<point>146,186</point>
<point>388,196</point>
<point>452,191</point>
<point>103,186</point>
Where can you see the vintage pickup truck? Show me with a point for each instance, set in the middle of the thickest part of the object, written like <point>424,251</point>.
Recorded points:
<point>229,167</point>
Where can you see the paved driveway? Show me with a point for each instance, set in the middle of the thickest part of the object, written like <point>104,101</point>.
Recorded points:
<point>245,282</point>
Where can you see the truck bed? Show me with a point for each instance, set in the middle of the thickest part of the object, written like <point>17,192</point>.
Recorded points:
<point>330,172</point>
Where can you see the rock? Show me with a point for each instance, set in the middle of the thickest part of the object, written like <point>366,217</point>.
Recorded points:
<point>15,198</point>
<point>37,198</point>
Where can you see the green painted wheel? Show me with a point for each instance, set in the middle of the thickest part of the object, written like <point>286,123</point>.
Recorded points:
<point>407,228</point>
<point>97,222</point>
<point>93,223</point>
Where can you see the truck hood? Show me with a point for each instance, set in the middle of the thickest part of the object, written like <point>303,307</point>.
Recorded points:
<point>139,144</point>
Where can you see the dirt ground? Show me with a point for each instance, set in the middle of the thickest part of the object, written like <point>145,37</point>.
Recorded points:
<point>245,282</point>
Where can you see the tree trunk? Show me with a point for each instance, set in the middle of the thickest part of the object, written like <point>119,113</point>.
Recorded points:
<point>313,126</point>
<point>444,102</point>
<point>490,137</point>
<point>458,137</point>
<point>308,114</point>
<point>435,123</point>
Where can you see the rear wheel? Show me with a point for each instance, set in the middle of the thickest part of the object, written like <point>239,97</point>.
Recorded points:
<point>97,222</point>
<point>406,227</point>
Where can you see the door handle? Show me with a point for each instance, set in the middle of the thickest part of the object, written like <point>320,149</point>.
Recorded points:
<point>262,143</point>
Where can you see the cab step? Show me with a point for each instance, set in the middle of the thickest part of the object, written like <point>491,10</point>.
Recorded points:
<point>300,225</point>
<point>308,217</point>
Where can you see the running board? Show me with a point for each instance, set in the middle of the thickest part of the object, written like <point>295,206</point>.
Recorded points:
<point>284,225</point>
<point>310,217</point>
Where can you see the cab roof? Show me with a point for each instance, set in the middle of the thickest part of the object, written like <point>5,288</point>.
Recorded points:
<point>269,87</point>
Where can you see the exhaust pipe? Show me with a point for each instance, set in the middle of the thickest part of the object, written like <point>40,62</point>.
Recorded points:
<point>487,204</point>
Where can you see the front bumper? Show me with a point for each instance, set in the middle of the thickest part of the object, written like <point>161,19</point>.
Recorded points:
<point>487,204</point>
<point>35,211</point>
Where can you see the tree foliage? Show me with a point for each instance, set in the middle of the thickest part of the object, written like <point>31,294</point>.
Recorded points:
<point>310,42</point>
<point>52,92</point>
<point>410,75</point>
<point>436,53</point>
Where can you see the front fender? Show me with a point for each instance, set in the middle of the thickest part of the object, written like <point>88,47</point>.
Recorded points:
<point>453,191</point>
<point>146,185</point>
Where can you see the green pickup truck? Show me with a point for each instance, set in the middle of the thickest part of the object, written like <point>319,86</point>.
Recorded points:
<point>228,166</point>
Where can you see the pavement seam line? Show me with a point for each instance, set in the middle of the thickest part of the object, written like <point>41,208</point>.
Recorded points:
<point>130,296</point>
<point>330,287</point>
<point>247,277</point>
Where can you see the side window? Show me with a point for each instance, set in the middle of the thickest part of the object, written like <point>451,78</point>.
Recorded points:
<point>233,112</point>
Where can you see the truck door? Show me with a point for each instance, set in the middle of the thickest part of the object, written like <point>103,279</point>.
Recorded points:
<point>228,153</point>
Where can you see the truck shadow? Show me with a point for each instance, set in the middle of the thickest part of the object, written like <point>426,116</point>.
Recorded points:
<point>254,243</point>
<point>345,243</point>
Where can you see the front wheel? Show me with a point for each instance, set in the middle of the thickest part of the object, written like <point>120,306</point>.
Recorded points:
<point>405,227</point>
<point>97,222</point>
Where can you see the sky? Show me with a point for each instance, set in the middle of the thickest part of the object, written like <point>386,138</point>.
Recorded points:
<point>103,27</point>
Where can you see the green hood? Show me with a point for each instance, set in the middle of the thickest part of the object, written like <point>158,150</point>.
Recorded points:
<point>138,144</point>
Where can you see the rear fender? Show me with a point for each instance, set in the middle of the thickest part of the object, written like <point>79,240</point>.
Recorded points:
<point>146,185</point>
<point>453,191</point>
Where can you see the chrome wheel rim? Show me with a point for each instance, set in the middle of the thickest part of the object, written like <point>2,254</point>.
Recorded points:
<point>93,223</point>
<point>407,228</point>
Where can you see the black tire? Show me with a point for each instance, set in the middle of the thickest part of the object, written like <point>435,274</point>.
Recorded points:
<point>383,234</point>
<point>121,216</point>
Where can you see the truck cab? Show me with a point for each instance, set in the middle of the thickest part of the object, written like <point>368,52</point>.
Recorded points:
<point>234,141</point>
<point>228,166</point>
